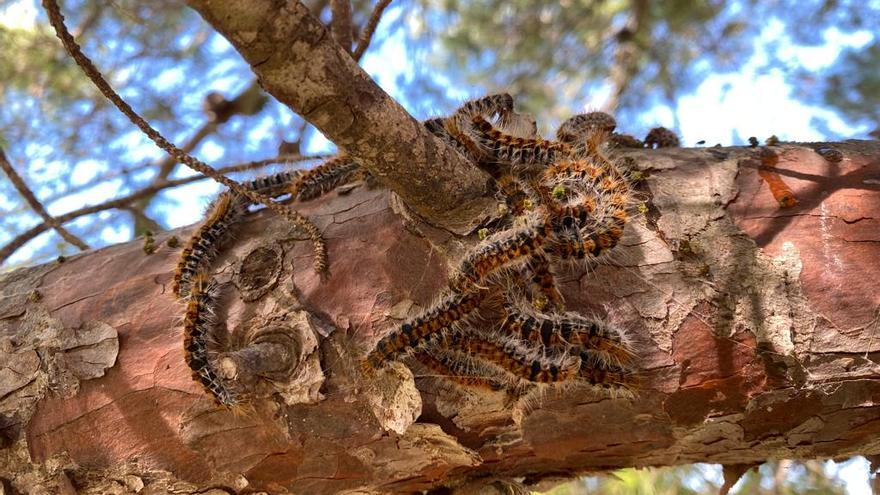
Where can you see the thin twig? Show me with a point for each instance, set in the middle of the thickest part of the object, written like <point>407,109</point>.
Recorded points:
<point>123,202</point>
<point>35,204</point>
<point>57,21</point>
<point>369,29</point>
<point>340,24</point>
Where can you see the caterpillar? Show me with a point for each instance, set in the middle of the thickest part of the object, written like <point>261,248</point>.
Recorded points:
<point>523,154</point>
<point>448,312</point>
<point>604,344</point>
<point>226,210</point>
<point>202,246</point>
<point>500,251</point>
<point>198,327</point>
<point>661,137</point>
<point>582,124</point>
<point>506,357</point>
<point>324,178</point>
<point>454,370</point>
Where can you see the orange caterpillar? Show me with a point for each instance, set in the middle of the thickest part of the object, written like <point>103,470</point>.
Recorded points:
<point>542,277</point>
<point>198,324</point>
<point>511,359</point>
<point>516,151</point>
<point>584,336</point>
<point>583,124</point>
<point>453,370</point>
<point>202,246</point>
<point>456,126</point>
<point>498,252</point>
<point>447,312</point>
<point>324,178</point>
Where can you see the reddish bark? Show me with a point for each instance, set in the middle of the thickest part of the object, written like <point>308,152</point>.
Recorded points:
<point>756,329</point>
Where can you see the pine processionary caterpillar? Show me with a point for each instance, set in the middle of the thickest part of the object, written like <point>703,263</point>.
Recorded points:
<point>536,368</point>
<point>198,325</point>
<point>205,241</point>
<point>446,313</point>
<point>324,178</point>
<point>516,151</point>
<point>543,278</point>
<point>455,371</point>
<point>227,209</point>
<point>499,252</point>
<point>457,126</point>
<point>582,124</point>
<point>604,344</point>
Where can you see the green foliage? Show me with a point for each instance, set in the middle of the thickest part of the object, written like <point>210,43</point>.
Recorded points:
<point>771,478</point>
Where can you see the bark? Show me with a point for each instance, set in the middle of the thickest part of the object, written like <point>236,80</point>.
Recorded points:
<point>757,332</point>
<point>297,60</point>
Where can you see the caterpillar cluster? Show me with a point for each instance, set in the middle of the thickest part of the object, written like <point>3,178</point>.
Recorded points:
<point>568,203</point>
<point>192,282</point>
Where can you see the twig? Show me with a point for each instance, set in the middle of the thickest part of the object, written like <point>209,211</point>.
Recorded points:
<point>340,24</point>
<point>57,21</point>
<point>35,204</point>
<point>123,202</point>
<point>369,29</point>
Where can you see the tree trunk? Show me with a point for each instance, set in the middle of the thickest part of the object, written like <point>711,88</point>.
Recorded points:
<point>750,291</point>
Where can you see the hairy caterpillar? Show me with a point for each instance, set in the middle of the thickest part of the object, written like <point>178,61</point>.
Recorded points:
<point>447,312</point>
<point>202,246</point>
<point>518,362</point>
<point>226,210</point>
<point>324,178</point>
<point>661,137</point>
<point>584,123</point>
<point>198,326</point>
<point>454,370</point>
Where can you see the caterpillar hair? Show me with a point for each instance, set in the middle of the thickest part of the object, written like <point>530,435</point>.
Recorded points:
<point>542,277</point>
<point>523,153</point>
<point>273,185</point>
<point>198,328</point>
<point>492,107</point>
<point>451,369</point>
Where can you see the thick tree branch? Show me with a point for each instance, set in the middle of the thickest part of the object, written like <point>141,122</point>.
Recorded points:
<point>756,329</point>
<point>318,79</point>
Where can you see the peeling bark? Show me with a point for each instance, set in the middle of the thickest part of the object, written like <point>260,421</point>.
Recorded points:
<point>757,330</point>
<point>297,60</point>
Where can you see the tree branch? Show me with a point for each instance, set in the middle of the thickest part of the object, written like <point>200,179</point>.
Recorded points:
<point>125,202</point>
<point>318,79</point>
<point>369,29</point>
<point>756,330</point>
<point>341,22</point>
<point>35,204</point>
